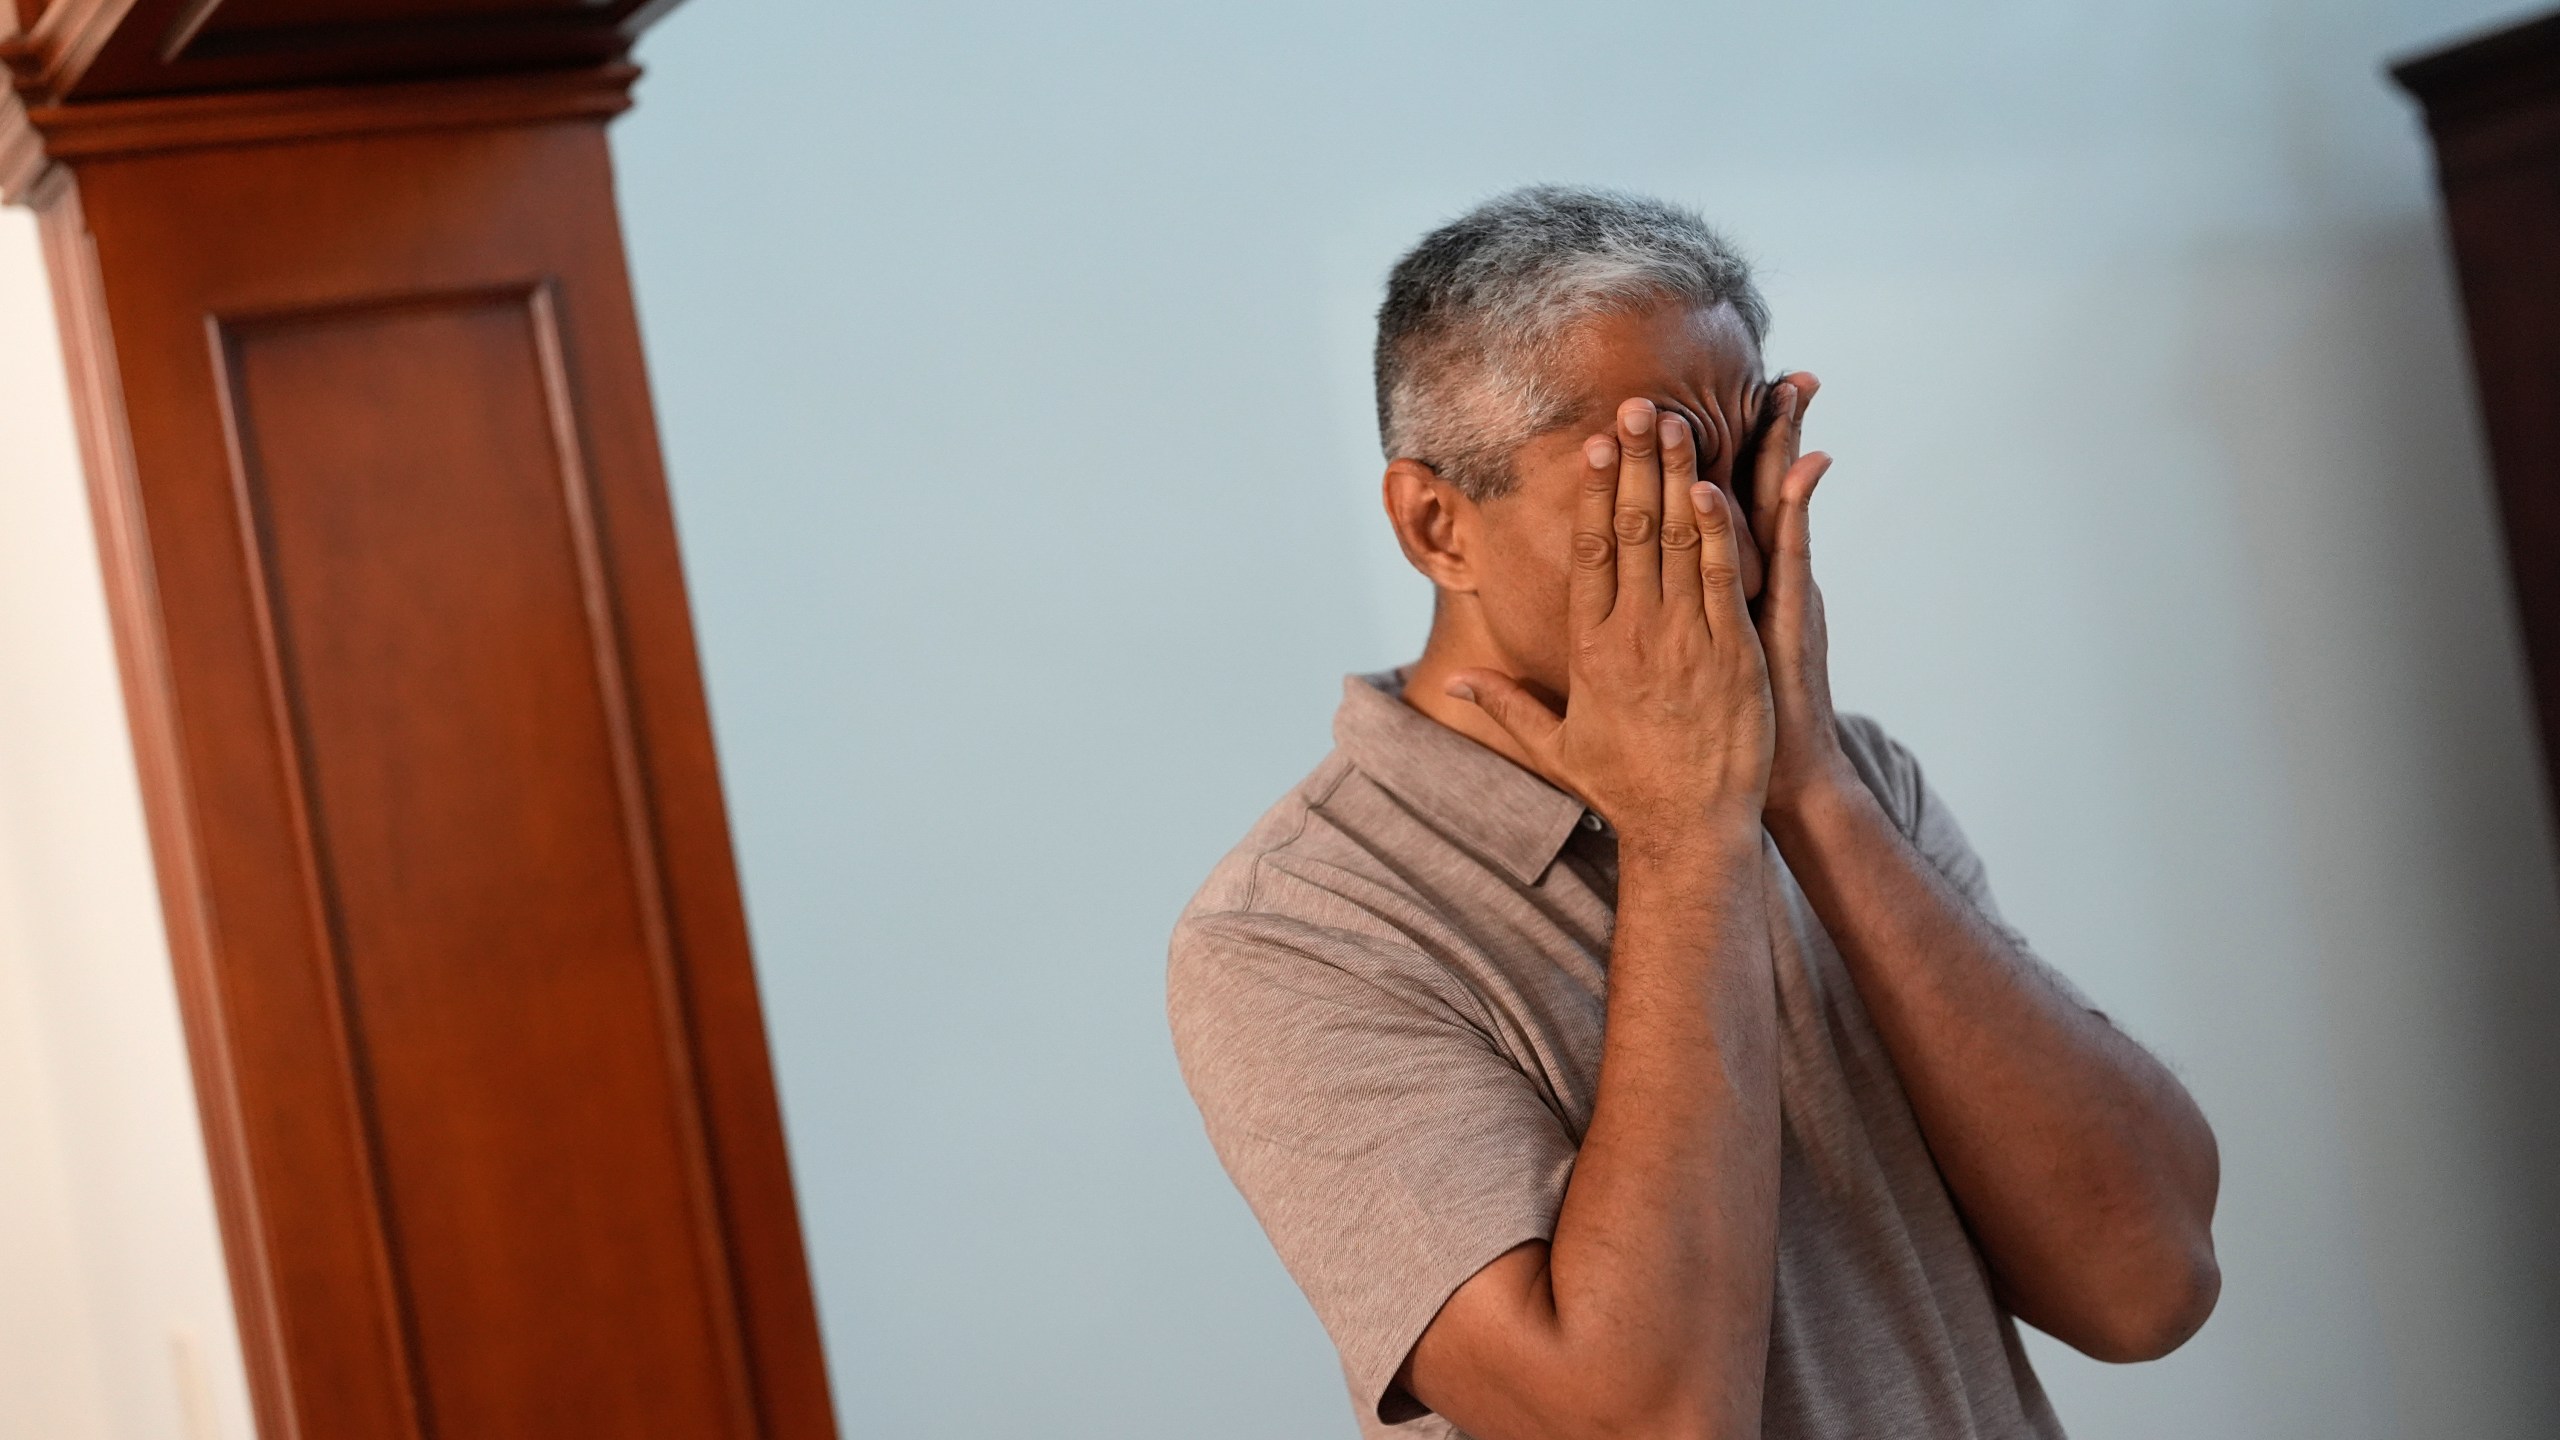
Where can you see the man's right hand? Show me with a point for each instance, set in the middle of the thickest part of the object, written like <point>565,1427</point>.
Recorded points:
<point>1668,729</point>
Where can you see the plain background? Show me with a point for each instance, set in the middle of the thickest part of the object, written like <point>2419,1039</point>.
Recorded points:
<point>1013,370</point>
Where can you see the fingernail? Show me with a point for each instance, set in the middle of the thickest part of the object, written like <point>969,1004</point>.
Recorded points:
<point>1599,452</point>
<point>1460,689</point>
<point>1674,429</point>
<point>1638,420</point>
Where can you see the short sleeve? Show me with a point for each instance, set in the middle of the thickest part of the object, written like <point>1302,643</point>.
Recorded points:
<point>1387,1145</point>
<point>1894,774</point>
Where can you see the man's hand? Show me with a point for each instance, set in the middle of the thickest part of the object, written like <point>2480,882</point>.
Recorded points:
<point>1789,610</point>
<point>1668,721</point>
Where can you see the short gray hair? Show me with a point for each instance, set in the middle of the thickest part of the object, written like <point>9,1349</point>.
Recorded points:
<point>1473,315</point>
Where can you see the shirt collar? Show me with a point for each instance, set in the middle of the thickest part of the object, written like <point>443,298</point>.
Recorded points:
<point>1468,791</point>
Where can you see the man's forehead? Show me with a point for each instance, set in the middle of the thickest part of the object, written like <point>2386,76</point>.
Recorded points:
<point>1678,352</point>
<point>1682,344</point>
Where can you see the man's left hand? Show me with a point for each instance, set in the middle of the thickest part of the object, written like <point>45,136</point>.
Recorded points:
<point>1789,610</point>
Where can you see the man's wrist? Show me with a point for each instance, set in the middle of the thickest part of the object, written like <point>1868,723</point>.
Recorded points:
<point>1803,812</point>
<point>1695,843</point>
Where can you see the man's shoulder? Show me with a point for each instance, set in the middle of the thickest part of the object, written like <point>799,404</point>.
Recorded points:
<point>1241,880</point>
<point>1302,902</point>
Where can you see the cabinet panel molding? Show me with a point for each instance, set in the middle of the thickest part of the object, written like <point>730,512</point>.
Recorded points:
<point>426,759</point>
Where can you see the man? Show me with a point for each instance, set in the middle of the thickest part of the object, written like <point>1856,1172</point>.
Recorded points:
<point>1613,1041</point>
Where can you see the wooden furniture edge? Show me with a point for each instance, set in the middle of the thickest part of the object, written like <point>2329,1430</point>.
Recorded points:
<point>2477,95</point>
<point>65,40</point>
<point>124,555</point>
<point>32,138</point>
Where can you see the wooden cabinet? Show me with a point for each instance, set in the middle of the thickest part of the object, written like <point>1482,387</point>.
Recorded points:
<point>425,751</point>
<point>2493,107</point>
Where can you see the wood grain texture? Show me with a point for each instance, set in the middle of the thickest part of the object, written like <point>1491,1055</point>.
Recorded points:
<point>30,139</point>
<point>410,484</point>
<point>106,49</point>
<point>58,43</point>
<point>427,763</point>
<point>2493,110</point>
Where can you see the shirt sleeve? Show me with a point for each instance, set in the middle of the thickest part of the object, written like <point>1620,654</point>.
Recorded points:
<point>1387,1145</point>
<point>1894,774</point>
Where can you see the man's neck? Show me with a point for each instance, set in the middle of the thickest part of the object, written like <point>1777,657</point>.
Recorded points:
<point>1458,642</point>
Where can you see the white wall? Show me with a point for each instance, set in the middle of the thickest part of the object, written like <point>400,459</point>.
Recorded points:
<point>115,1314</point>
<point>1012,364</point>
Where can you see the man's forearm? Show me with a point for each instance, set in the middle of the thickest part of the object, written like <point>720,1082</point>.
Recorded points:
<point>1647,1314</point>
<point>2080,1162</point>
<point>1666,1247</point>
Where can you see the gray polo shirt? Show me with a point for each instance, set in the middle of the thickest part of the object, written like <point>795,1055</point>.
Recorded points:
<point>1387,1002</point>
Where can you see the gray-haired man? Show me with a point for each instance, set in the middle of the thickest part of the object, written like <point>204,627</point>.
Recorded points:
<point>1613,1041</point>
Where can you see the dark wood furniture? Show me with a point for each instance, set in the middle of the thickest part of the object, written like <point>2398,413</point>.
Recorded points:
<point>413,688</point>
<point>2493,106</point>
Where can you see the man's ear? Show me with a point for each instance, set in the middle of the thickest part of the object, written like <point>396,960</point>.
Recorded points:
<point>1434,522</point>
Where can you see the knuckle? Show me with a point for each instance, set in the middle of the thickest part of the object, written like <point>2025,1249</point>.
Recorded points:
<point>1592,550</point>
<point>1634,527</point>
<point>1679,535</point>
<point>1716,576</point>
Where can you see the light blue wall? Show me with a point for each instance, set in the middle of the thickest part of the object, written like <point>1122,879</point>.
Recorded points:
<point>1012,364</point>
